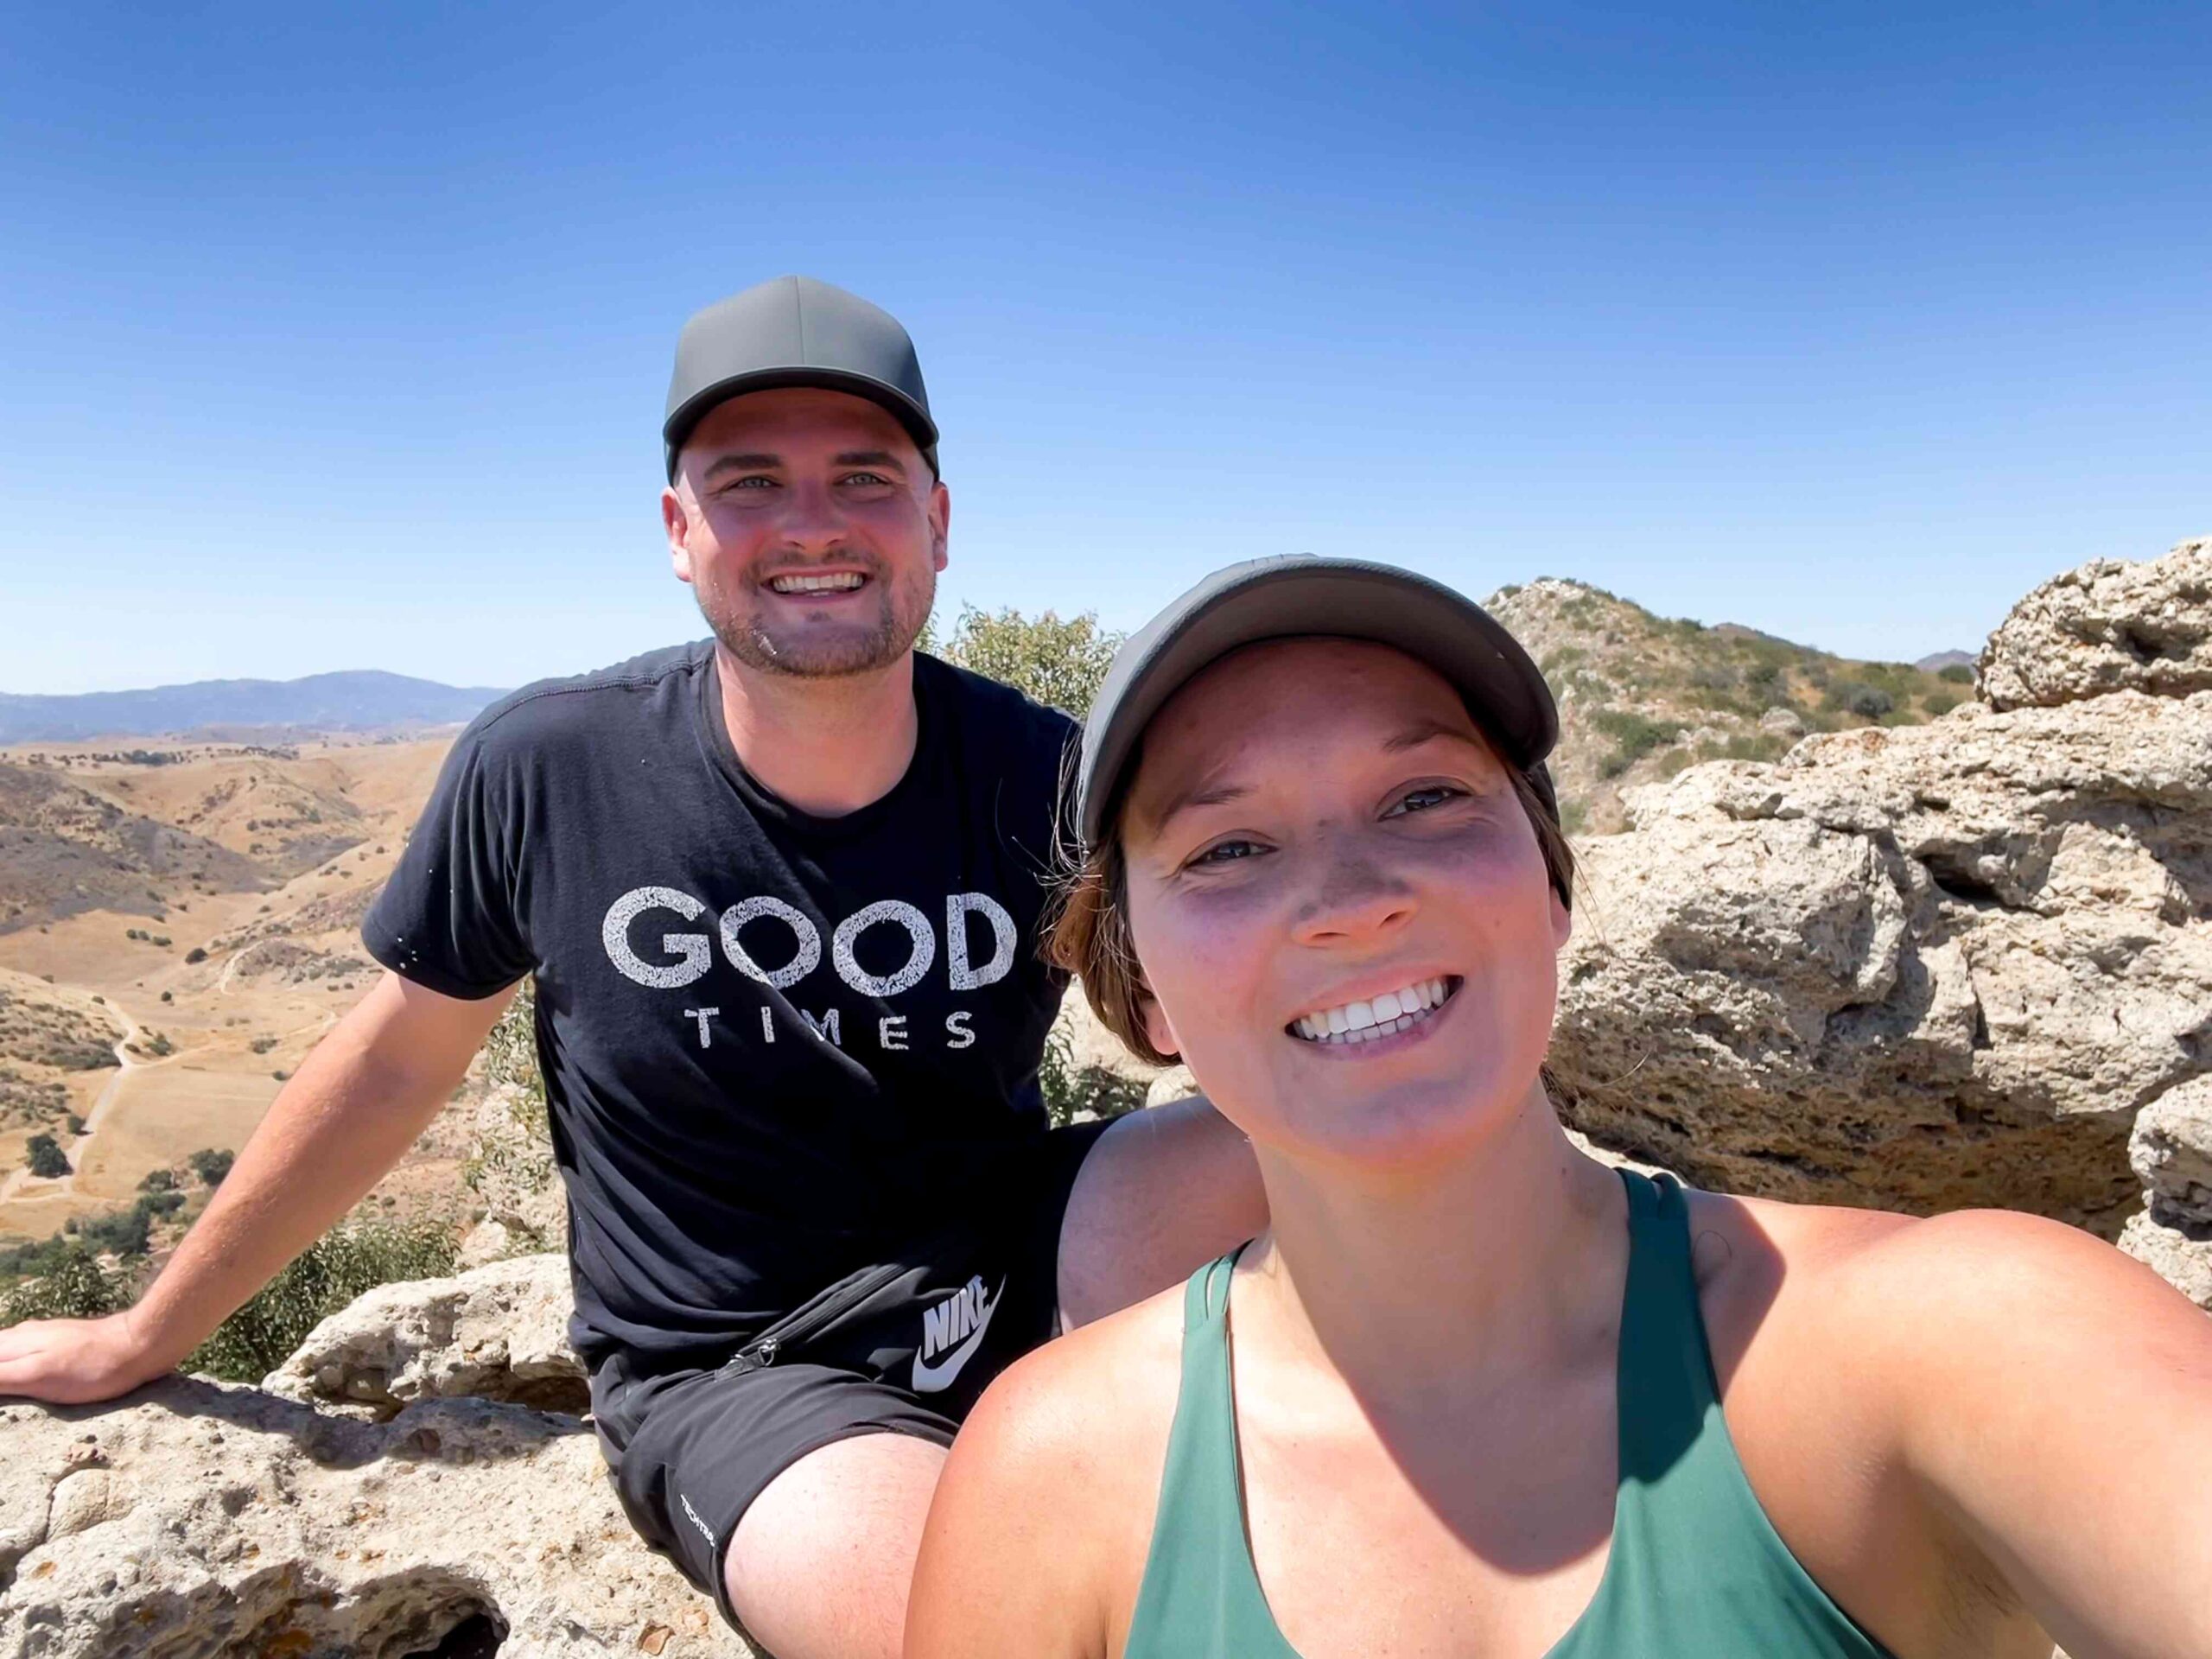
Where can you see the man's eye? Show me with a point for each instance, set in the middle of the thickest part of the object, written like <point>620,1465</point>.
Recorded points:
<point>1227,852</point>
<point>751,482</point>
<point>1419,800</point>
<point>866,478</point>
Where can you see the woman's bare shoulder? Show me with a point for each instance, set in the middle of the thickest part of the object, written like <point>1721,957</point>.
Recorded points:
<point>1093,1403</point>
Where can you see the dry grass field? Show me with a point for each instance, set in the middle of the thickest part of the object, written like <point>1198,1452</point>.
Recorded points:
<point>201,909</point>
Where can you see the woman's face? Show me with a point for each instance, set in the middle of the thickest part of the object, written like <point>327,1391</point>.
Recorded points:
<point>1315,825</point>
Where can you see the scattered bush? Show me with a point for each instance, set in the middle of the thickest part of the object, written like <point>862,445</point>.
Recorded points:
<point>211,1165</point>
<point>1940,702</point>
<point>262,1044</point>
<point>76,1123</point>
<point>197,954</point>
<point>330,1272</point>
<point>1957,674</point>
<point>48,1161</point>
<point>1634,736</point>
<point>158,1180</point>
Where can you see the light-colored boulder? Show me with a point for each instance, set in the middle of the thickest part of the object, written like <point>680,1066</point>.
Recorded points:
<point>192,1521</point>
<point>2171,1152</point>
<point>497,1332</point>
<point>1917,968</point>
<point>2109,626</point>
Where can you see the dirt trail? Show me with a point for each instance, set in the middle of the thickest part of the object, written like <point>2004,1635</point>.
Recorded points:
<point>126,1063</point>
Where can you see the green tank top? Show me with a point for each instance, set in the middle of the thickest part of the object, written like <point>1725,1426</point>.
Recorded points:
<point>1696,1571</point>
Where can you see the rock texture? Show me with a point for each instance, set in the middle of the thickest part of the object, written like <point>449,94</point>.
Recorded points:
<point>2110,625</point>
<point>1917,968</point>
<point>496,1332</point>
<point>2171,1151</point>
<point>197,1521</point>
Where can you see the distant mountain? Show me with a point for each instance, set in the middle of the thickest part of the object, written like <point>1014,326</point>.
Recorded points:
<point>354,701</point>
<point>1944,659</point>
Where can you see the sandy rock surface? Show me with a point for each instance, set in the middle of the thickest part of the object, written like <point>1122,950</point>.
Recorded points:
<point>2171,1152</point>
<point>2109,626</point>
<point>1920,969</point>
<point>495,1332</point>
<point>192,1520</point>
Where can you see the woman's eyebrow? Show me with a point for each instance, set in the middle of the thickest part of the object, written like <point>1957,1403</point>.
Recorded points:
<point>1421,732</point>
<point>1201,793</point>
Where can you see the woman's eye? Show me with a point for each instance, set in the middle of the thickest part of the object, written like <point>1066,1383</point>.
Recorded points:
<point>1419,800</point>
<point>1227,852</point>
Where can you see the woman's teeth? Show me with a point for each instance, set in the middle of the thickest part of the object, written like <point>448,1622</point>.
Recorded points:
<point>843,582</point>
<point>1381,1016</point>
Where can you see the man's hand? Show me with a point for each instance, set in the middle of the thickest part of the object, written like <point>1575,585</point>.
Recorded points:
<point>356,1103</point>
<point>72,1362</point>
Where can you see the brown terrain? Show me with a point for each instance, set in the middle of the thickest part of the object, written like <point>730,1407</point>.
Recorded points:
<point>178,925</point>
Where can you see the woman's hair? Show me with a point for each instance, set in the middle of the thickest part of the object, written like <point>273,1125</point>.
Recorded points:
<point>1090,933</point>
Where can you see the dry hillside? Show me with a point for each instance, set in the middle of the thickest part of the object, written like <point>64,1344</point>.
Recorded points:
<point>1642,696</point>
<point>197,904</point>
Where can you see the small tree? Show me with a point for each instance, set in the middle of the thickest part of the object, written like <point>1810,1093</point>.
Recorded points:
<point>211,1165</point>
<point>47,1160</point>
<point>1060,664</point>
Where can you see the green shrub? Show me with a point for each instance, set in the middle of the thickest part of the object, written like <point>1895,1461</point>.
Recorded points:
<point>71,1285</point>
<point>1940,702</point>
<point>48,1161</point>
<point>211,1165</point>
<point>1069,1089</point>
<point>126,1232</point>
<point>1573,816</point>
<point>158,1180</point>
<point>1634,736</point>
<point>1957,674</point>
<point>1061,663</point>
<point>325,1277</point>
<point>76,1123</point>
<point>1858,697</point>
<point>197,953</point>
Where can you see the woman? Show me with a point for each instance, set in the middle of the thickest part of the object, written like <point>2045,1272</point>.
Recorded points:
<point>1491,1397</point>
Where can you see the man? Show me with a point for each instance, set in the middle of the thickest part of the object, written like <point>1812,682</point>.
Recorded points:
<point>780,894</point>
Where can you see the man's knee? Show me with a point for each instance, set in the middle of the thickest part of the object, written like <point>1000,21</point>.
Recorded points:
<point>820,1562</point>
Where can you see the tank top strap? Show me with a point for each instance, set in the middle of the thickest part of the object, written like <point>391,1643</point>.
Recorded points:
<point>1665,1378</point>
<point>1205,1297</point>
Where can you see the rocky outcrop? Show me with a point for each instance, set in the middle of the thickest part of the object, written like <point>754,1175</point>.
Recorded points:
<point>496,1332</point>
<point>2110,625</point>
<point>192,1520</point>
<point>1918,968</point>
<point>2171,1151</point>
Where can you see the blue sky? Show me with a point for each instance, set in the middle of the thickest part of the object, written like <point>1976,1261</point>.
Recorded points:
<point>340,340</point>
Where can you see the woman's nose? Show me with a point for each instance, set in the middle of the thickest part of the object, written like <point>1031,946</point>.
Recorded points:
<point>1355,898</point>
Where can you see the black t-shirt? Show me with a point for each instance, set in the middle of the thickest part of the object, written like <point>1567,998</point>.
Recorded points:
<point>773,1044</point>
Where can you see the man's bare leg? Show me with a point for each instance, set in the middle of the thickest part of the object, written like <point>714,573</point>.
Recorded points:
<point>1163,1193</point>
<point>819,1565</point>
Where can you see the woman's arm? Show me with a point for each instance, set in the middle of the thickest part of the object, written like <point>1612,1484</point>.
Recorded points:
<point>1008,1566</point>
<point>2055,1404</point>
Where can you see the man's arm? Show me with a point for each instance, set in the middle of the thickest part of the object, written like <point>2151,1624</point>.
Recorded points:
<point>356,1103</point>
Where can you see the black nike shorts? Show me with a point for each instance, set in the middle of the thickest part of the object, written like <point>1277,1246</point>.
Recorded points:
<point>903,1346</point>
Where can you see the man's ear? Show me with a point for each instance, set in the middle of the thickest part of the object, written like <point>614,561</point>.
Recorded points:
<point>940,515</point>
<point>676,521</point>
<point>1157,1030</point>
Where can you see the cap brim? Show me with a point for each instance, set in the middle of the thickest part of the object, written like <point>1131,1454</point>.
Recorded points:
<point>675,430</point>
<point>1300,597</point>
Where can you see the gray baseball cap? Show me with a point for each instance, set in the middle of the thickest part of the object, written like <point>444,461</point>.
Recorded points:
<point>795,331</point>
<point>1296,595</point>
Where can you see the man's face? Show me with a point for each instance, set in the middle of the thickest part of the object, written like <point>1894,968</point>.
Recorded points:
<point>811,529</point>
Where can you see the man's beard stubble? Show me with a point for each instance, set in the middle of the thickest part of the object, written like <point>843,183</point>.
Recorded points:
<point>860,645</point>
